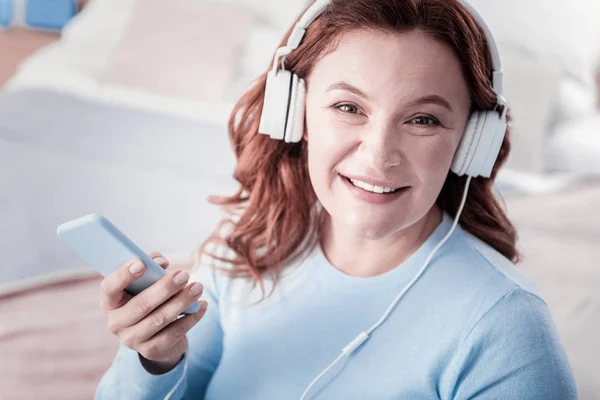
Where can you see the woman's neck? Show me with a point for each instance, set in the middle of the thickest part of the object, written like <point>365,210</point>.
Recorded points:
<point>361,257</point>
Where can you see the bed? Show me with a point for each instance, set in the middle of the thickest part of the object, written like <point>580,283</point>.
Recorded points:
<point>148,172</point>
<point>96,122</point>
<point>81,132</point>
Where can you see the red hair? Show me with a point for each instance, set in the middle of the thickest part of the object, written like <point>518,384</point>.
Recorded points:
<point>271,215</point>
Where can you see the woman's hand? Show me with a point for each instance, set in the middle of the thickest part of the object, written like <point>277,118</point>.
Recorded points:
<point>147,322</point>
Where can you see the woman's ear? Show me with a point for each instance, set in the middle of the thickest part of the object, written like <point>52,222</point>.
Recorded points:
<point>305,136</point>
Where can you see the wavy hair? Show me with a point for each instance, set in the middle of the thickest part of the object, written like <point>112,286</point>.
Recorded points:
<point>271,216</point>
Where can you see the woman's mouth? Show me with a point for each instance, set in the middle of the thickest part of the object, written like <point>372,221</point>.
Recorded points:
<point>373,194</point>
<point>372,188</point>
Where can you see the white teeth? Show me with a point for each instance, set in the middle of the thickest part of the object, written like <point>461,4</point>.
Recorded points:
<point>371,188</point>
<point>358,183</point>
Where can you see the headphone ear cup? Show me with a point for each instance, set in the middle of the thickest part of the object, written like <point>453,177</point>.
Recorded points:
<point>466,148</point>
<point>275,106</point>
<point>480,145</point>
<point>489,145</point>
<point>294,129</point>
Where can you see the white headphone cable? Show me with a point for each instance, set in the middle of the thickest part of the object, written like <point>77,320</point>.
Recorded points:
<point>360,339</point>
<point>180,381</point>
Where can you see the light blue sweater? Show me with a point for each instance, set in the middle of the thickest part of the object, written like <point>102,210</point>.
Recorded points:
<point>472,327</point>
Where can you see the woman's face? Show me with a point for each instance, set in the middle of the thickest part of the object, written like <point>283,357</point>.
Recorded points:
<point>384,111</point>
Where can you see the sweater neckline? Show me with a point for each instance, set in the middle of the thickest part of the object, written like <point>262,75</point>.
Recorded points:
<point>335,279</point>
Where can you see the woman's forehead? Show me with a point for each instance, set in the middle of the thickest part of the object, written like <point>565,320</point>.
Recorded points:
<point>382,63</point>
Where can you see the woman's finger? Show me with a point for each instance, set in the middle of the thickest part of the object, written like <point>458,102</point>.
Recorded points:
<point>158,346</point>
<point>112,288</point>
<point>167,313</point>
<point>148,301</point>
<point>159,258</point>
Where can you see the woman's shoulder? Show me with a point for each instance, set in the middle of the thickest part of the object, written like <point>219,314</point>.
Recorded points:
<point>512,347</point>
<point>505,329</point>
<point>485,284</point>
<point>485,265</point>
<point>505,316</point>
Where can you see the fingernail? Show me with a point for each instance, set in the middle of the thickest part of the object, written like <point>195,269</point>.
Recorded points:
<point>180,278</point>
<point>196,289</point>
<point>203,305</point>
<point>136,267</point>
<point>160,260</point>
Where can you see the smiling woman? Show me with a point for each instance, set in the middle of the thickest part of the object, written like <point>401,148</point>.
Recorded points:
<point>386,111</point>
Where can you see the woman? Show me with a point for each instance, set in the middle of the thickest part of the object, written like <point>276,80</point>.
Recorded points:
<point>349,217</point>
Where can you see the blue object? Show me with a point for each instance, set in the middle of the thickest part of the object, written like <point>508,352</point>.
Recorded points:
<point>100,244</point>
<point>49,14</point>
<point>6,12</point>
<point>471,327</point>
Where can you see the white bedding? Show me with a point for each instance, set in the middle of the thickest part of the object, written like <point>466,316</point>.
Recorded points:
<point>62,157</point>
<point>73,65</point>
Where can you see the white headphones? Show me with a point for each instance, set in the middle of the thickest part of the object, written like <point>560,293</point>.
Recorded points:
<point>284,104</point>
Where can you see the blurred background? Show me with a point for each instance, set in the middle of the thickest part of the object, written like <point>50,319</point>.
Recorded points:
<point>120,107</point>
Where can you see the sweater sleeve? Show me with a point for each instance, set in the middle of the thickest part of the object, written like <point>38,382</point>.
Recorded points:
<point>512,352</point>
<point>128,379</point>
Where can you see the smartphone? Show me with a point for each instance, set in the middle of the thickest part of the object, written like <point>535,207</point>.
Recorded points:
<point>100,244</point>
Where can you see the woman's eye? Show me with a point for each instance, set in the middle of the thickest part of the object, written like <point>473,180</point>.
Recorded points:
<point>347,108</point>
<point>425,121</point>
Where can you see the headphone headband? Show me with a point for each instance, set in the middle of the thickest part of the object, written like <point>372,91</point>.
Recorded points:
<point>317,8</point>
<point>497,75</point>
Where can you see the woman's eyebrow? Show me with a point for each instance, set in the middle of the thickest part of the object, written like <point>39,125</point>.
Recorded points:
<point>429,99</point>
<point>348,87</point>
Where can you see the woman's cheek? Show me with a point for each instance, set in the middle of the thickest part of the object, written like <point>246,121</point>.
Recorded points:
<point>430,161</point>
<point>333,138</point>
<point>439,153</point>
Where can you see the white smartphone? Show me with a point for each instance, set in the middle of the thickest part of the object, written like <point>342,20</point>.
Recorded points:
<point>100,244</point>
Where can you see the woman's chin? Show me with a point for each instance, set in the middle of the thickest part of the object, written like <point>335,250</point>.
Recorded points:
<point>371,228</point>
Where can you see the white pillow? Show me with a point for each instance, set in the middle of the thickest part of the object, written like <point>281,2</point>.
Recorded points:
<point>272,19</point>
<point>530,87</point>
<point>95,32</point>
<point>202,67</point>
<point>564,32</point>
<point>180,48</point>
<point>280,14</point>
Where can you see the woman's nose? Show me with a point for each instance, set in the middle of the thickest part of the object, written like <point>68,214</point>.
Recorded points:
<point>380,147</point>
